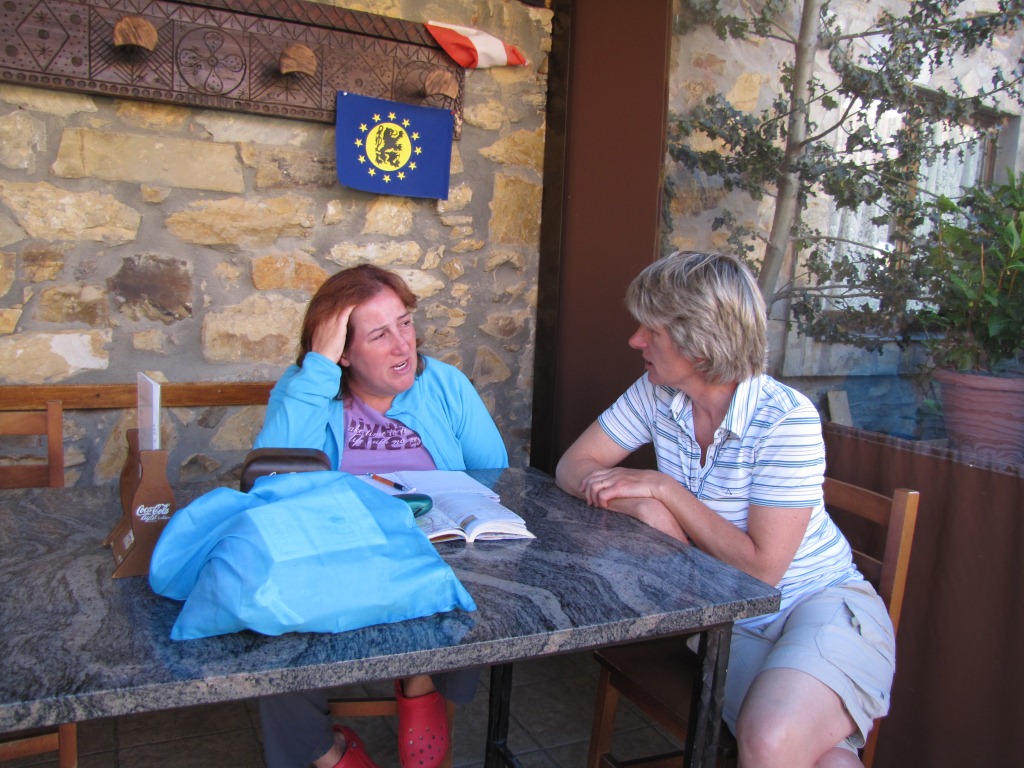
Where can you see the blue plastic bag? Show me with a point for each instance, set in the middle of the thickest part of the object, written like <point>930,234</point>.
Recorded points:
<point>303,552</point>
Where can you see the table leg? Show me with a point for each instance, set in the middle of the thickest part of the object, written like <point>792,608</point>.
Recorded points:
<point>498,752</point>
<point>708,696</point>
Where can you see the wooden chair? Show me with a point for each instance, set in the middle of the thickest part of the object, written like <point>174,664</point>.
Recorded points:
<point>64,738</point>
<point>46,423</point>
<point>656,675</point>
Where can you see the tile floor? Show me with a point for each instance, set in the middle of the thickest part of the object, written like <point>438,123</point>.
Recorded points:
<point>552,706</point>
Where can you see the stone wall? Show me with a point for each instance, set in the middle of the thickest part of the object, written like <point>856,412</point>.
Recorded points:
<point>186,242</point>
<point>886,390</point>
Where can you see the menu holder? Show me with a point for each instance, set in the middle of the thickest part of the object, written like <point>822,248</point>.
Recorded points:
<point>147,503</point>
<point>130,474</point>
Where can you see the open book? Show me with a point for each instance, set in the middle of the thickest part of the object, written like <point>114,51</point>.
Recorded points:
<point>464,508</point>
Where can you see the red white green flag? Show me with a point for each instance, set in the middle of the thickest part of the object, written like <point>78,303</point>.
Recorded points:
<point>473,49</point>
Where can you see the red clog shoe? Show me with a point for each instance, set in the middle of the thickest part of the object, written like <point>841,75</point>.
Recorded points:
<point>355,756</point>
<point>422,729</point>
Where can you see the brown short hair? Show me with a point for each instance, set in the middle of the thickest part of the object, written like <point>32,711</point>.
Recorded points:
<point>347,288</point>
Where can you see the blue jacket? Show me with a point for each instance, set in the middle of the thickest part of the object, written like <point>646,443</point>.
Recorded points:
<point>442,406</point>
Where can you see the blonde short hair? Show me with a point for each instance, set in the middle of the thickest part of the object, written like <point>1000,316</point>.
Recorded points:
<point>711,307</point>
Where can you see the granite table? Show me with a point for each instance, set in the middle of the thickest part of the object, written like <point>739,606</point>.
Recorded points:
<point>76,644</point>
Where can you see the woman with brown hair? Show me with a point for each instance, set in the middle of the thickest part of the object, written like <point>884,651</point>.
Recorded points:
<point>361,392</point>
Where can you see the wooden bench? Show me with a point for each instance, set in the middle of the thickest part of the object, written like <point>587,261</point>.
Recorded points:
<point>28,397</point>
<point>93,398</point>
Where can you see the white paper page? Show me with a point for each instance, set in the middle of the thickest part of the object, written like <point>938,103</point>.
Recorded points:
<point>149,413</point>
<point>436,522</point>
<point>473,511</point>
<point>436,481</point>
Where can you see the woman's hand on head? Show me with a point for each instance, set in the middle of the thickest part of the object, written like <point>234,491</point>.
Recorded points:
<point>330,336</point>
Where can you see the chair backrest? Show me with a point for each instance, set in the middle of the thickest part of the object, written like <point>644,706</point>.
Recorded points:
<point>880,530</point>
<point>48,423</point>
<point>881,554</point>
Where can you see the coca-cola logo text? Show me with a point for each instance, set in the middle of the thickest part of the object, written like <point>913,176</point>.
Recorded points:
<point>154,513</point>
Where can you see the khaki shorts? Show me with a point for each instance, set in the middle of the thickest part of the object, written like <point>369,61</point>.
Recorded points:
<point>841,636</point>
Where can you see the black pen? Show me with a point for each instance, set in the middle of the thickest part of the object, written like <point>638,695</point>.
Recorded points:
<point>392,483</point>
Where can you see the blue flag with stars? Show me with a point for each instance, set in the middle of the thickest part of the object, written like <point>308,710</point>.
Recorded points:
<point>393,149</point>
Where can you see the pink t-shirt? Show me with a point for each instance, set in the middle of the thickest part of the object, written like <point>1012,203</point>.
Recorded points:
<point>375,443</point>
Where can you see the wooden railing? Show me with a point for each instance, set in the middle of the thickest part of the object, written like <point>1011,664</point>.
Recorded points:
<point>29,397</point>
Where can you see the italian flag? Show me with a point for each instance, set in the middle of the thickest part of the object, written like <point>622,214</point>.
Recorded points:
<point>473,49</point>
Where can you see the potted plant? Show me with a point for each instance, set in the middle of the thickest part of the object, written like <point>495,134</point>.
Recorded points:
<point>976,268</point>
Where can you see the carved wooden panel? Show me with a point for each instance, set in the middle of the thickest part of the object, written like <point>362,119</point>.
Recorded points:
<point>226,54</point>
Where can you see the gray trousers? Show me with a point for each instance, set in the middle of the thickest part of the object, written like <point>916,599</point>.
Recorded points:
<point>297,727</point>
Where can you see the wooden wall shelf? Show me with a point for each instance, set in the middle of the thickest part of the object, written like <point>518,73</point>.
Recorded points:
<point>226,54</point>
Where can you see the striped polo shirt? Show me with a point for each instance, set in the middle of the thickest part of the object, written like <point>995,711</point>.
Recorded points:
<point>768,451</point>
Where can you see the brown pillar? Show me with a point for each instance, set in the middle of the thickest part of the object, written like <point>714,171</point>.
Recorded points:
<point>607,114</point>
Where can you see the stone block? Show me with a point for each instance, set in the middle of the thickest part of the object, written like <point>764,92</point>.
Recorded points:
<point>243,222</point>
<point>150,286</point>
<point>174,162</point>
<point>290,271</point>
<point>51,213</point>
<point>42,358</point>
<point>262,328</point>
<point>515,211</point>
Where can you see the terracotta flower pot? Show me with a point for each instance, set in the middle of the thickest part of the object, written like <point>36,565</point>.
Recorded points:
<point>984,414</point>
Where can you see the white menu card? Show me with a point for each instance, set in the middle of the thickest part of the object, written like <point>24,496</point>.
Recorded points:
<point>149,413</point>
